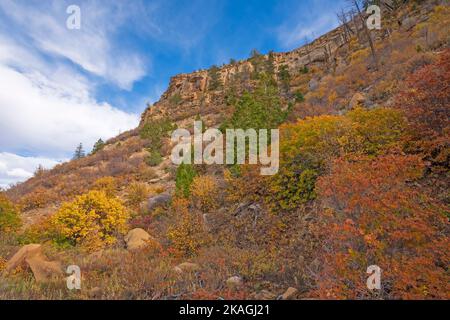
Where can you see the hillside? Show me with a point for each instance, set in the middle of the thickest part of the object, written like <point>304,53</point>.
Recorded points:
<point>363,179</point>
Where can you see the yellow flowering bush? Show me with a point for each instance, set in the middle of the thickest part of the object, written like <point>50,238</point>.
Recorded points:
<point>92,220</point>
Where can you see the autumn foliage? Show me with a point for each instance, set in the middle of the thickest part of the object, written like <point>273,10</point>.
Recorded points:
<point>91,220</point>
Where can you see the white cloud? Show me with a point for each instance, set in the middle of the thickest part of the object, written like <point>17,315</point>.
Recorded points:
<point>47,105</point>
<point>92,47</point>
<point>41,118</point>
<point>14,168</point>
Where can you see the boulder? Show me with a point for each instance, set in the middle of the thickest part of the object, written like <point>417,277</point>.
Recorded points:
<point>264,295</point>
<point>234,282</point>
<point>186,267</point>
<point>289,294</point>
<point>95,293</point>
<point>408,23</point>
<point>158,201</point>
<point>31,256</point>
<point>313,84</point>
<point>137,239</point>
<point>357,99</point>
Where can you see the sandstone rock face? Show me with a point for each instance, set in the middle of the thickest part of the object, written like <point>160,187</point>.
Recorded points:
<point>137,239</point>
<point>158,201</point>
<point>289,294</point>
<point>234,282</point>
<point>186,267</point>
<point>358,98</point>
<point>31,255</point>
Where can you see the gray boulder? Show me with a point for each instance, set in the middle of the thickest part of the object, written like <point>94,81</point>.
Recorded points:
<point>158,201</point>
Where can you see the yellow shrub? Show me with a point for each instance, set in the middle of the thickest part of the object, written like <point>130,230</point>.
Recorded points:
<point>106,184</point>
<point>188,234</point>
<point>204,193</point>
<point>91,220</point>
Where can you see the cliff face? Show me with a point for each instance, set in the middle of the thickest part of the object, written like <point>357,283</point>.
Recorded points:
<point>190,94</point>
<point>338,77</point>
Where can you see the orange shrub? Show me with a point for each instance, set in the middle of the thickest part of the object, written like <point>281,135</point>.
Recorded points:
<point>372,215</point>
<point>204,193</point>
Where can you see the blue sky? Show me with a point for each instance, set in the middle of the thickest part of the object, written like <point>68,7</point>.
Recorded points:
<point>59,87</point>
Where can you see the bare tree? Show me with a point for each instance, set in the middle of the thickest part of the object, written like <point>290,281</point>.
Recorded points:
<point>358,5</point>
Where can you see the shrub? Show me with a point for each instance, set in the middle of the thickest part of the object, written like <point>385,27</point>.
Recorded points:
<point>372,214</point>
<point>137,193</point>
<point>184,177</point>
<point>91,220</point>
<point>38,198</point>
<point>9,216</point>
<point>188,234</point>
<point>204,193</point>
<point>154,158</point>
<point>107,185</point>
<point>308,146</point>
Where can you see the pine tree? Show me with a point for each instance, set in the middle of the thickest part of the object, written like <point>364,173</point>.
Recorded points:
<point>79,152</point>
<point>98,146</point>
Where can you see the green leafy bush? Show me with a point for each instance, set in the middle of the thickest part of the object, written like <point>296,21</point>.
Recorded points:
<point>184,177</point>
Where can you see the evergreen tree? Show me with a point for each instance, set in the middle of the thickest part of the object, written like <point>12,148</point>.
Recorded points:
<point>215,80</point>
<point>79,152</point>
<point>98,146</point>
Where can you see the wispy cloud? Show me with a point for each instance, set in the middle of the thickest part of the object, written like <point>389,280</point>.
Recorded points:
<point>48,79</point>
<point>318,19</point>
<point>92,47</point>
<point>15,168</point>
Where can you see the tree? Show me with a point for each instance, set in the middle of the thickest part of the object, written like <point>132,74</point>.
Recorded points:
<point>98,146</point>
<point>215,80</point>
<point>79,152</point>
<point>357,5</point>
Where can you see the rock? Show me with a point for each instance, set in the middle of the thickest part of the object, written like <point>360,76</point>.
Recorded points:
<point>313,84</point>
<point>234,282</point>
<point>31,255</point>
<point>358,98</point>
<point>186,267</point>
<point>158,201</point>
<point>137,239</point>
<point>408,23</point>
<point>265,295</point>
<point>95,293</point>
<point>289,294</point>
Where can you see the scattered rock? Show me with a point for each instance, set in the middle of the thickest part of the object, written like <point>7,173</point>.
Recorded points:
<point>158,201</point>
<point>264,295</point>
<point>137,239</point>
<point>234,282</point>
<point>31,255</point>
<point>289,294</point>
<point>358,98</point>
<point>186,267</point>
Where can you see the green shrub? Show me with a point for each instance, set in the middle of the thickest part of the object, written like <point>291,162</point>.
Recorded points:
<point>154,158</point>
<point>184,177</point>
